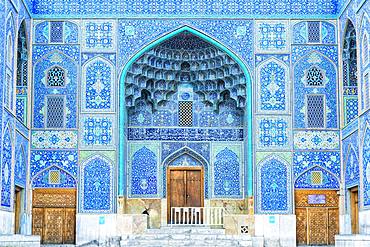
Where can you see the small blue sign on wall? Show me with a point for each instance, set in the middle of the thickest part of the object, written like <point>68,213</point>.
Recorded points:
<point>272,219</point>
<point>101,220</point>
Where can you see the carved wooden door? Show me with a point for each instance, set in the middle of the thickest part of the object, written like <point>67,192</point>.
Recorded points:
<point>54,215</point>
<point>317,217</point>
<point>333,224</point>
<point>318,225</point>
<point>69,225</point>
<point>38,222</point>
<point>185,188</point>
<point>53,225</point>
<point>301,215</point>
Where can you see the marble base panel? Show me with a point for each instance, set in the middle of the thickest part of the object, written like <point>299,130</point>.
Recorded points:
<point>91,227</point>
<point>6,222</point>
<point>364,222</point>
<point>276,230</point>
<point>20,240</point>
<point>358,240</point>
<point>345,224</point>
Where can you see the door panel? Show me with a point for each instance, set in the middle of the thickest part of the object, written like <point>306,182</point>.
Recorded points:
<point>177,188</point>
<point>317,216</point>
<point>17,210</point>
<point>354,210</point>
<point>193,189</point>
<point>317,221</point>
<point>301,214</point>
<point>69,225</point>
<point>37,222</point>
<point>54,215</point>
<point>185,189</point>
<point>53,232</point>
<point>333,224</point>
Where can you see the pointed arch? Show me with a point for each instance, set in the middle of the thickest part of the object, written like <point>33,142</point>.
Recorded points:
<point>122,110</point>
<point>43,178</point>
<point>227,174</point>
<point>98,75</point>
<point>143,173</point>
<point>274,191</point>
<point>96,186</point>
<point>20,172</point>
<point>351,167</point>
<point>329,179</point>
<point>365,48</point>
<point>6,166</point>
<point>185,151</point>
<point>267,85</point>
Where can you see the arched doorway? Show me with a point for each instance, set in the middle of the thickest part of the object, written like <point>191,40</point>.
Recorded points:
<point>184,90</point>
<point>174,72</point>
<point>185,182</point>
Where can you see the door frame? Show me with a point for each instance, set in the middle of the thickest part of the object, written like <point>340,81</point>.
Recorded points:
<point>39,204</point>
<point>354,209</point>
<point>168,184</point>
<point>18,202</point>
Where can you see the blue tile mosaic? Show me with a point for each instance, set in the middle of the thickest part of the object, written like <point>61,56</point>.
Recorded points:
<point>181,134</point>
<point>42,179</point>
<point>273,186</point>
<point>326,32</point>
<point>351,161</point>
<point>144,173</point>
<point>316,140</point>
<point>97,131</point>
<point>21,161</point>
<point>226,174</point>
<point>366,166</point>
<point>273,89</point>
<point>272,36</point>
<point>99,35</point>
<point>273,132</point>
<point>301,89</point>
<point>326,162</point>
<point>43,159</point>
<point>6,167</point>
<point>98,86</point>
<point>171,8</point>
<point>43,90</point>
<point>97,185</point>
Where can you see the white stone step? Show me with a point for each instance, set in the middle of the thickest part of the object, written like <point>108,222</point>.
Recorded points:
<point>186,230</point>
<point>181,243</point>
<point>197,236</point>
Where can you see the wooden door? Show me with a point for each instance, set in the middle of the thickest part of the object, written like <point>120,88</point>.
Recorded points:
<point>53,226</point>
<point>17,209</point>
<point>317,226</point>
<point>333,224</point>
<point>38,222</point>
<point>317,217</point>
<point>69,226</point>
<point>193,188</point>
<point>54,215</point>
<point>301,215</point>
<point>354,210</point>
<point>184,188</point>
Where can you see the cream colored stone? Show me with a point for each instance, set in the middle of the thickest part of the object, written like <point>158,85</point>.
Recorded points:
<point>131,224</point>
<point>234,222</point>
